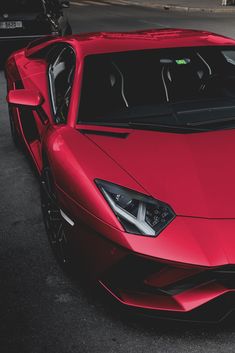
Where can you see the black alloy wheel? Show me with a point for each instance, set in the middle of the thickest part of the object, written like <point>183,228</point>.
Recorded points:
<point>57,228</point>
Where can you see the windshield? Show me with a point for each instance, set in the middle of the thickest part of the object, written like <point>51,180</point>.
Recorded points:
<point>21,6</point>
<point>176,87</point>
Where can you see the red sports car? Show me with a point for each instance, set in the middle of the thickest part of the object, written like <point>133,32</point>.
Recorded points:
<point>133,136</point>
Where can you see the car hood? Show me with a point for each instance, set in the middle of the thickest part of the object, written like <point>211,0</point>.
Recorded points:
<point>194,173</point>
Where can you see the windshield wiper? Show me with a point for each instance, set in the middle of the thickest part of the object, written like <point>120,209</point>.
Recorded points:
<point>156,126</point>
<point>212,121</point>
<point>149,126</point>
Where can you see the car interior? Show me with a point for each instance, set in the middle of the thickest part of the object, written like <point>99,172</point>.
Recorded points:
<point>120,82</point>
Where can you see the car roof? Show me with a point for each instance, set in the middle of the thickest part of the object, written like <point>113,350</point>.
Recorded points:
<point>111,42</point>
<point>108,42</point>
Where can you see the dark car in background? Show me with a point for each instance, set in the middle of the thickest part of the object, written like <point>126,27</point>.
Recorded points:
<point>22,21</point>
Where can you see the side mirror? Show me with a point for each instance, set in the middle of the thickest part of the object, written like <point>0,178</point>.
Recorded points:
<point>64,4</point>
<point>25,98</point>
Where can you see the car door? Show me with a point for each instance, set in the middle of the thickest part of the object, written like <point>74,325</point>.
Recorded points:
<point>56,72</point>
<point>31,124</point>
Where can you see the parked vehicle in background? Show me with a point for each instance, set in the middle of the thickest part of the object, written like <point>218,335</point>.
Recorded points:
<point>22,21</point>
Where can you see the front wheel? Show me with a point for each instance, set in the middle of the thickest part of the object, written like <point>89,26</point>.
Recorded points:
<point>57,228</point>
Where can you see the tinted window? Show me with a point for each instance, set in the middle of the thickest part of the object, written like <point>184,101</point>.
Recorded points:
<point>17,6</point>
<point>170,86</point>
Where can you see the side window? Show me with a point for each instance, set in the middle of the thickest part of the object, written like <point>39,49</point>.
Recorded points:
<point>61,76</point>
<point>229,56</point>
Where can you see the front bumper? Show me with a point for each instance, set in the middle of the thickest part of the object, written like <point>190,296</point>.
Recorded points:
<point>183,273</point>
<point>157,287</point>
<point>171,290</point>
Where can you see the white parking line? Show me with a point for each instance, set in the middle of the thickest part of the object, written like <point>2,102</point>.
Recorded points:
<point>119,2</point>
<point>100,3</point>
<point>78,3</point>
<point>96,3</point>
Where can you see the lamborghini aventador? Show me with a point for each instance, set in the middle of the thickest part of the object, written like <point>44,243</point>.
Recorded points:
<point>133,137</point>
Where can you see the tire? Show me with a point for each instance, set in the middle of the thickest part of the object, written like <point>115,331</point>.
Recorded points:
<point>58,230</point>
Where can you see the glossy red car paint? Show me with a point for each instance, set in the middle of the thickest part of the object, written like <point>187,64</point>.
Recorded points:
<point>192,261</point>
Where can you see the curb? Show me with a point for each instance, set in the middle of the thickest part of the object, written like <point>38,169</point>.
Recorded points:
<point>169,7</point>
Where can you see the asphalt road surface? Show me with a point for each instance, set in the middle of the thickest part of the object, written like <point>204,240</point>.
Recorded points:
<point>41,309</point>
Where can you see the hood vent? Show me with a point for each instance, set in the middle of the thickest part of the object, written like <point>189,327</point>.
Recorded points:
<point>121,135</point>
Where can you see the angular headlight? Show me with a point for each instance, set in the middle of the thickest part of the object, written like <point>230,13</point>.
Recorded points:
<point>138,213</point>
